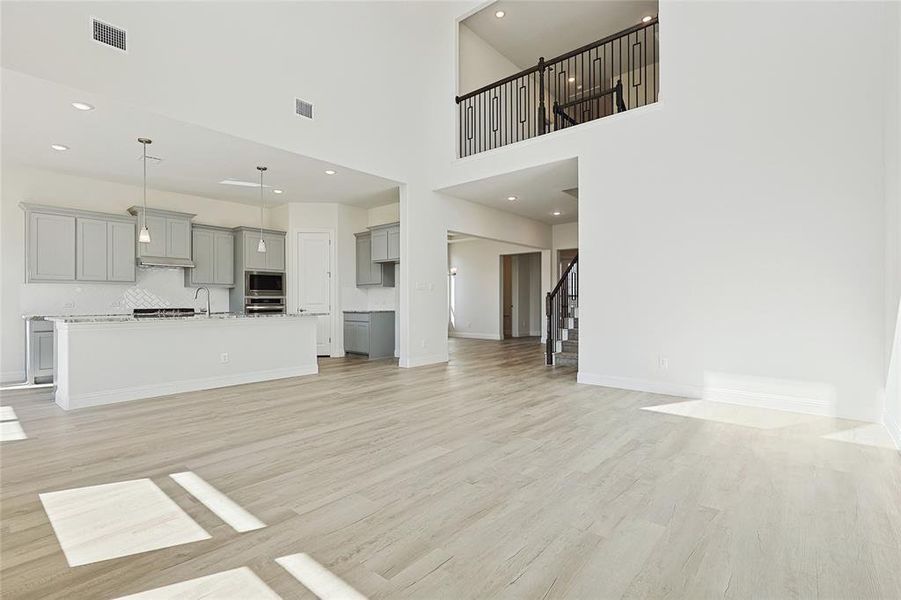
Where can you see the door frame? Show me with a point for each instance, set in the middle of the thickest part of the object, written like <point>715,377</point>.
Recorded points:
<point>337,349</point>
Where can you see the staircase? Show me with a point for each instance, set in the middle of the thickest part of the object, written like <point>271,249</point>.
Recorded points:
<point>562,311</point>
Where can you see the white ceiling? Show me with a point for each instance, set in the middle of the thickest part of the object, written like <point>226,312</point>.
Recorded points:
<point>551,28</point>
<point>103,144</point>
<point>539,191</point>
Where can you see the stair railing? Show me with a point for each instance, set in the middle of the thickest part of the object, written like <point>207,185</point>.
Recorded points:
<point>559,305</point>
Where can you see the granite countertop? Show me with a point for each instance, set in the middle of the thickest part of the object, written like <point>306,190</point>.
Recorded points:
<point>124,318</point>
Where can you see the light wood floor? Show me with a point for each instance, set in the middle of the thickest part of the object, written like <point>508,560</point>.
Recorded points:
<point>492,476</point>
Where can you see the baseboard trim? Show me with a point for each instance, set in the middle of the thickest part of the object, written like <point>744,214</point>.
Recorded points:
<point>893,428</point>
<point>85,400</point>
<point>640,385</point>
<point>422,361</point>
<point>475,336</point>
<point>797,404</point>
<point>12,377</point>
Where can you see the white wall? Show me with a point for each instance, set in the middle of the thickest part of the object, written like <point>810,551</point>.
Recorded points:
<point>154,286</point>
<point>892,141</point>
<point>476,291</point>
<point>479,62</point>
<point>748,245</point>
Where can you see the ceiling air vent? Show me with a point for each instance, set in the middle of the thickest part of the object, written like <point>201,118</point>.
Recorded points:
<point>303,108</point>
<point>109,35</point>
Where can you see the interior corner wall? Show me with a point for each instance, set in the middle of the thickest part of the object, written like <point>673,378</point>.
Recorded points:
<point>479,62</point>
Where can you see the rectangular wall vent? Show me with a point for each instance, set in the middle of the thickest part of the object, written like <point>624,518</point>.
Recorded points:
<point>109,35</point>
<point>303,108</point>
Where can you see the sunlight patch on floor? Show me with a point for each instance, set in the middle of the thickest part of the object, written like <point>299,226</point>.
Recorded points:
<point>733,414</point>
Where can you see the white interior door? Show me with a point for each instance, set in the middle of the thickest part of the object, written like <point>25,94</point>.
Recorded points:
<point>314,284</point>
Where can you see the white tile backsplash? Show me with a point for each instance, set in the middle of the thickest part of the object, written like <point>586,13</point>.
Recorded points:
<point>154,287</point>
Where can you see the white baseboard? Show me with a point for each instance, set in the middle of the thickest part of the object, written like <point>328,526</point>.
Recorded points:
<point>10,377</point>
<point>640,385</point>
<point>421,361</point>
<point>758,399</point>
<point>475,336</point>
<point>84,400</point>
<point>894,429</point>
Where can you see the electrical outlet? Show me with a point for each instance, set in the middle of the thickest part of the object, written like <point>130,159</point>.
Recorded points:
<point>422,343</point>
<point>223,358</point>
<point>662,363</point>
<point>69,305</point>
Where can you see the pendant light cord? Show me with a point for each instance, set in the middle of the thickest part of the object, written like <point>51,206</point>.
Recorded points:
<point>261,204</point>
<point>144,212</point>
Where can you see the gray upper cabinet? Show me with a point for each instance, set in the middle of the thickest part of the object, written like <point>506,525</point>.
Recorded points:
<point>273,259</point>
<point>275,252</point>
<point>224,250</point>
<point>254,260</point>
<point>385,243</point>
<point>170,237</point>
<point>178,238</point>
<point>157,228</point>
<point>91,249</point>
<point>379,245</point>
<point>213,251</point>
<point>68,245</point>
<point>120,240</point>
<point>394,244</point>
<point>370,272</point>
<point>51,247</point>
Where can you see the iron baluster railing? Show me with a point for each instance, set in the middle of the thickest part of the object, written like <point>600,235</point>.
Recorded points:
<point>611,75</point>
<point>560,305</point>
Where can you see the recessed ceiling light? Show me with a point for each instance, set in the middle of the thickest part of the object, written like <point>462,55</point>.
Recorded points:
<point>82,106</point>
<point>646,18</point>
<point>556,213</point>
<point>572,79</point>
<point>329,172</point>
<point>277,192</point>
<point>511,198</point>
<point>59,147</point>
<point>500,14</point>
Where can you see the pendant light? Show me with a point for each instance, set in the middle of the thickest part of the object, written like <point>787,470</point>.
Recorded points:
<point>144,235</point>
<point>261,247</point>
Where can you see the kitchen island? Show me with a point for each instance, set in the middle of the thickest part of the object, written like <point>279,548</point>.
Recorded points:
<point>108,359</point>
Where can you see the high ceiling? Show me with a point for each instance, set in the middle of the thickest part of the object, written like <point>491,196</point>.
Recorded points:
<point>103,144</point>
<point>539,191</point>
<point>551,28</point>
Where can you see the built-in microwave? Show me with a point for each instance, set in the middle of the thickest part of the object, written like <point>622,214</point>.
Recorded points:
<point>261,283</point>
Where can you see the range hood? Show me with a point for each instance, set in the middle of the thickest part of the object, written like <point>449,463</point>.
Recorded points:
<point>165,261</point>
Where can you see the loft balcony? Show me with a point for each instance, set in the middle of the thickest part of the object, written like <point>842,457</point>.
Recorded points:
<point>611,75</point>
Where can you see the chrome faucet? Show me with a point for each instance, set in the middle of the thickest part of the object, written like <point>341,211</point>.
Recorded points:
<point>197,293</point>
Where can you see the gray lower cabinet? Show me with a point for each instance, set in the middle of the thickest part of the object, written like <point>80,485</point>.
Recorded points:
<point>213,249</point>
<point>67,245</point>
<point>39,360</point>
<point>370,272</point>
<point>369,333</point>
